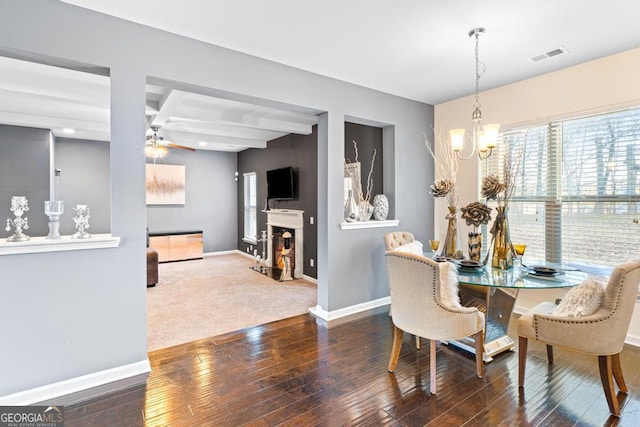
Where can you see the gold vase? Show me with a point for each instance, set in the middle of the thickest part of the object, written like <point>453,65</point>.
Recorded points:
<point>502,256</point>
<point>475,245</point>
<point>452,239</point>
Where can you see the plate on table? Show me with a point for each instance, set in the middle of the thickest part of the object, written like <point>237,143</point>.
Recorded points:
<point>540,270</point>
<point>469,266</point>
<point>546,273</point>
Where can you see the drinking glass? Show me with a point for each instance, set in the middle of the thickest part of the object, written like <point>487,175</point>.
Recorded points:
<point>520,249</point>
<point>435,244</point>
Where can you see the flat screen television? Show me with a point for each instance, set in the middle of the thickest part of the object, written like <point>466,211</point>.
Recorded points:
<point>280,184</point>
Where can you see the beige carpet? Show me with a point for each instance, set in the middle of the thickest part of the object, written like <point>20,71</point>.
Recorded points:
<point>215,295</point>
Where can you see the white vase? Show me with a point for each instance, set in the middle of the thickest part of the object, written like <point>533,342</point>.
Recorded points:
<point>380,207</point>
<point>351,213</point>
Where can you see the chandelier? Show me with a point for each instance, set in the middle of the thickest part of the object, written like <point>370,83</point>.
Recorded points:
<point>484,138</point>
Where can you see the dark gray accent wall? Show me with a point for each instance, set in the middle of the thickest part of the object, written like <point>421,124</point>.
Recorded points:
<point>300,152</point>
<point>24,171</point>
<point>84,179</point>
<point>210,199</point>
<point>367,139</point>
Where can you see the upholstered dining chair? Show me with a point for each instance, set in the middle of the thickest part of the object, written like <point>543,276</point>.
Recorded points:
<point>418,309</point>
<point>393,241</point>
<point>601,333</point>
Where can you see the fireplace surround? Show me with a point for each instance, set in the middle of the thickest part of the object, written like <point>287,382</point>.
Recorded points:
<point>289,219</point>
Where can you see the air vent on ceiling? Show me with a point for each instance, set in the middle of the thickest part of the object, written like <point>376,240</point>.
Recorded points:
<point>550,54</point>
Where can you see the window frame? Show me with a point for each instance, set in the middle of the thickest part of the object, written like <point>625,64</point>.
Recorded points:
<point>249,207</point>
<point>554,198</point>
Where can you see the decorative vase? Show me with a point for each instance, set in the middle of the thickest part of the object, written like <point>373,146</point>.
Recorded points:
<point>351,213</point>
<point>365,210</point>
<point>53,209</point>
<point>452,238</point>
<point>475,245</point>
<point>380,207</point>
<point>502,255</point>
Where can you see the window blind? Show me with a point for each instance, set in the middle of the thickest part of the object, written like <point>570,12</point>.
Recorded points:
<point>577,191</point>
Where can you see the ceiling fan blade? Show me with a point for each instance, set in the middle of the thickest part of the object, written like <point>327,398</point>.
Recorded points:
<point>182,147</point>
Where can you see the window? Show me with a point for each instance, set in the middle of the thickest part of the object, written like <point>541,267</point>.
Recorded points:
<point>576,196</point>
<point>250,211</point>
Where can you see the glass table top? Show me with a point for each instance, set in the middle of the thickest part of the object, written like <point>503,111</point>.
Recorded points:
<point>521,278</point>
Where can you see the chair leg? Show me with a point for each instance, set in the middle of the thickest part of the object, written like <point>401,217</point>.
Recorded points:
<point>605,363</point>
<point>617,373</point>
<point>522,359</point>
<point>395,349</point>
<point>479,340</point>
<point>418,342</point>
<point>550,353</point>
<point>432,365</point>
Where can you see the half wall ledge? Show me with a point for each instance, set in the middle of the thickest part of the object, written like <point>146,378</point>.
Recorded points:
<point>66,243</point>
<point>368,224</point>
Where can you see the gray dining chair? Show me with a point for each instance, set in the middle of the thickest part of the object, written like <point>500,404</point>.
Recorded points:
<point>601,333</point>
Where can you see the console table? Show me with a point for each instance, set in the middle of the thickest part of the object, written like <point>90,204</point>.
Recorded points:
<point>177,245</point>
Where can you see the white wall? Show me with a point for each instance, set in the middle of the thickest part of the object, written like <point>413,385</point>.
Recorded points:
<point>593,86</point>
<point>84,312</point>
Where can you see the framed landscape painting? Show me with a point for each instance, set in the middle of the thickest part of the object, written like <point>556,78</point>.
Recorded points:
<point>165,184</point>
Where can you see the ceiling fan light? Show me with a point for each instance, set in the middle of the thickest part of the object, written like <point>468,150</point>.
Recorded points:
<point>155,151</point>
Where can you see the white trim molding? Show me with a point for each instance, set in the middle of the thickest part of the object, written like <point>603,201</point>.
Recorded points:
<point>369,224</point>
<point>116,377</point>
<point>328,316</point>
<point>66,243</point>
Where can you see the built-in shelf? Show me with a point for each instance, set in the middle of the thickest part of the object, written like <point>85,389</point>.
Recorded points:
<point>66,243</point>
<point>368,224</point>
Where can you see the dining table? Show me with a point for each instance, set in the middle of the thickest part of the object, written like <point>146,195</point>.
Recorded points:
<point>494,292</point>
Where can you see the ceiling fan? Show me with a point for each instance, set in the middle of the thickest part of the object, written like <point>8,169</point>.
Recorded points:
<point>156,147</point>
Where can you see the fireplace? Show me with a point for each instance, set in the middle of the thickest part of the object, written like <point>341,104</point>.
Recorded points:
<point>279,223</point>
<point>283,252</point>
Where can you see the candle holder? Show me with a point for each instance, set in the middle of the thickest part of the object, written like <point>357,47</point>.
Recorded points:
<point>19,205</point>
<point>53,209</point>
<point>81,220</point>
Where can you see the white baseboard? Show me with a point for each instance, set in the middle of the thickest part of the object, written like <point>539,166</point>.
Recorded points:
<point>82,387</point>
<point>233,251</point>
<point>328,316</point>
<point>310,279</point>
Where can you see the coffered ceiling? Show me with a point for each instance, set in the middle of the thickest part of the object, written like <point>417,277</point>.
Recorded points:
<point>60,99</point>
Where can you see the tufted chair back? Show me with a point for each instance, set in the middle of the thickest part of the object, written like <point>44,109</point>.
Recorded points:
<point>397,238</point>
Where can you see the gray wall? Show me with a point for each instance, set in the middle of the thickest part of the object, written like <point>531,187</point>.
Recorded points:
<point>210,199</point>
<point>24,171</point>
<point>300,152</point>
<point>84,180</point>
<point>83,312</point>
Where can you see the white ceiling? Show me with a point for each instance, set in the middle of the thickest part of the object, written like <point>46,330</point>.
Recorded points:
<point>418,49</point>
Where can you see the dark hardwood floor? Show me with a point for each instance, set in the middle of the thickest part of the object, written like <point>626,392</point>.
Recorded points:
<point>293,372</point>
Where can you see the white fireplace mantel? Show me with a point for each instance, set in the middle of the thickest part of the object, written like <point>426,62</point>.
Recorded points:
<point>287,218</point>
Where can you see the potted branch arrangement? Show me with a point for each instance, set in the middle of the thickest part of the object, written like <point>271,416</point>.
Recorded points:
<point>446,169</point>
<point>361,201</point>
<point>500,190</point>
